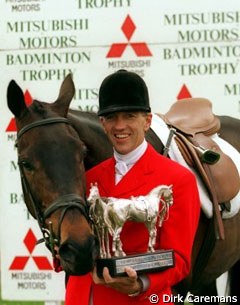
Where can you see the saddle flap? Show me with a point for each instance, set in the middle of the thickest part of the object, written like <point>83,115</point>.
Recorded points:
<point>193,115</point>
<point>224,173</point>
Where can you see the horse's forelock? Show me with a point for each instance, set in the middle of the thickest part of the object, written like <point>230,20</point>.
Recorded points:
<point>39,108</point>
<point>42,109</point>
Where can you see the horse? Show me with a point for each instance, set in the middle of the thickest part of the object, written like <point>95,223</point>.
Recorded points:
<point>111,214</point>
<point>96,212</point>
<point>54,195</point>
<point>56,144</point>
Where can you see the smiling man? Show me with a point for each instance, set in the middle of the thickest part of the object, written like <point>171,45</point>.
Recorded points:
<point>134,170</point>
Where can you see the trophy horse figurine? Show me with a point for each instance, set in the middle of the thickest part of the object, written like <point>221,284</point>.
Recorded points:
<point>109,215</point>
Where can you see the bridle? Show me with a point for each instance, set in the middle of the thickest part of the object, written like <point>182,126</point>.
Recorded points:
<point>64,202</point>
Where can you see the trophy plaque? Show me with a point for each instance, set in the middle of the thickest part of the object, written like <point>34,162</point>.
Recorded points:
<point>109,215</point>
<point>142,263</point>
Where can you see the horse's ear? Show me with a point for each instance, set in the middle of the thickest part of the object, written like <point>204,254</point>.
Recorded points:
<point>65,96</point>
<point>15,99</point>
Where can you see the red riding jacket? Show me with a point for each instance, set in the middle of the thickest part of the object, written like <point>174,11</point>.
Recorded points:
<point>176,233</point>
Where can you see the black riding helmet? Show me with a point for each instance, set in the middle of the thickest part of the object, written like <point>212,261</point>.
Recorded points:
<point>123,91</point>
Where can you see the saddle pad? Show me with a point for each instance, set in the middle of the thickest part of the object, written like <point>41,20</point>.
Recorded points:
<point>162,131</point>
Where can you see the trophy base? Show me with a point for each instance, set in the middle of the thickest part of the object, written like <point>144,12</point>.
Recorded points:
<point>142,263</point>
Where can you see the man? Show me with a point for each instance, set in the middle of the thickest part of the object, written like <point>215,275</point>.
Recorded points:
<point>135,169</point>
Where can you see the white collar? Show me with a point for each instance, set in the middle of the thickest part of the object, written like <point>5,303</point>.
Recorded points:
<point>132,157</point>
<point>125,162</point>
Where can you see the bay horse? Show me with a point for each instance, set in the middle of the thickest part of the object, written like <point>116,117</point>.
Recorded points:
<point>51,163</point>
<point>55,145</point>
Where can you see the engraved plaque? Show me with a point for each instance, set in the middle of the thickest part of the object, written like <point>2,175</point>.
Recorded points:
<point>142,263</point>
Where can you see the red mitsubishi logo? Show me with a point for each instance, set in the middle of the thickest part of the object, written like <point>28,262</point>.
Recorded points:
<point>12,125</point>
<point>19,262</point>
<point>140,48</point>
<point>184,93</point>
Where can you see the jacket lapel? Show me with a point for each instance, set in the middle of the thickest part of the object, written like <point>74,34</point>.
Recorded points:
<point>106,176</point>
<point>136,177</point>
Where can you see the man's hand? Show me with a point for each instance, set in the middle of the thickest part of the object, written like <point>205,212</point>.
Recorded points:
<point>129,284</point>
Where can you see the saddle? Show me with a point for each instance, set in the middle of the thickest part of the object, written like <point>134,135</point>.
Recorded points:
<point>194,123</point>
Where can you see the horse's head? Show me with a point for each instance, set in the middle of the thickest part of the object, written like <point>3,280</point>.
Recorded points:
<point>50,158</point>
<point>162,190</point>
<point>93,193</point>
<point>97,205</point>
<point>167,194</point>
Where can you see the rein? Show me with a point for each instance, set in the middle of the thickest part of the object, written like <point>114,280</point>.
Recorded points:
<point>64,202</point>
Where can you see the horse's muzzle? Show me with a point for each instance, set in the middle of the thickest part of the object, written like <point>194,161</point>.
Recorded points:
<point>79,259</point>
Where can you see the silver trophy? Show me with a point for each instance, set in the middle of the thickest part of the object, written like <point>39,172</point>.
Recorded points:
<point>109,214</point>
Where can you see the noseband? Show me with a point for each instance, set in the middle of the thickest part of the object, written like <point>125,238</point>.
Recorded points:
<point>65,202</point>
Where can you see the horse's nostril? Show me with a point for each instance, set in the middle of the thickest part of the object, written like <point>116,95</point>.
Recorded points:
<point>68,251</point>
<point>72,251</point>
<point>78,259</point>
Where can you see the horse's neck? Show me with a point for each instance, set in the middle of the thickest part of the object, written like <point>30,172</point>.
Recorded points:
<point>156,192</point>
<point>155,141</point>
<point>84,123</point>
<point>92,134</point>
<point>101,203</point>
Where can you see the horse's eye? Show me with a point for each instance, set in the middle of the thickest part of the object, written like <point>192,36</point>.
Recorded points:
<point>27,165</point>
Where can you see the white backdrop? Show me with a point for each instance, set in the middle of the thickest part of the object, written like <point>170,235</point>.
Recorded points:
<point>181,48</point>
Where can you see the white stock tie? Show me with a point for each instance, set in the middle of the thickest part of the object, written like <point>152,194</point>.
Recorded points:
<point>121,169</point>
<point>125,162</point>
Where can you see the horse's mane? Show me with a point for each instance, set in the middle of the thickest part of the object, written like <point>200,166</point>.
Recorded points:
<point>84,114</point>
<point>89,120</point>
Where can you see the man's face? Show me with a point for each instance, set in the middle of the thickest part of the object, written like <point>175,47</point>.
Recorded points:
<point>126,130</point>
